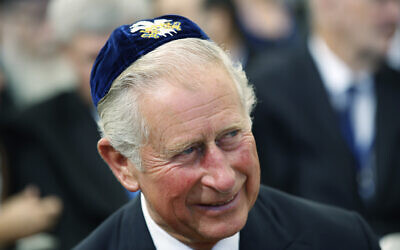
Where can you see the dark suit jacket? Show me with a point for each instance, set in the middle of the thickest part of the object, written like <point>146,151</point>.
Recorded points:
<point>300,144</point>
<point>53,145</point>
<point>276,222</point>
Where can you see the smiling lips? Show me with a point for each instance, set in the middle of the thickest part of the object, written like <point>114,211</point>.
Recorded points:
<point>221,205</point>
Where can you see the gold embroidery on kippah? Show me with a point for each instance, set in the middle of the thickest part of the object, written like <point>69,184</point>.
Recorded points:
<point>160,27</point>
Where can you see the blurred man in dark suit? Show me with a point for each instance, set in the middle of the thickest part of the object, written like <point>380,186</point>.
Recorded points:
<point>326,125</point>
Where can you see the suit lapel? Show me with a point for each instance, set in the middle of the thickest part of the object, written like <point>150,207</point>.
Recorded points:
<point>265,231</point>
<point>318,102</point>
<point>134,232</point>
<point>387,129</point>
<point>263,234</point>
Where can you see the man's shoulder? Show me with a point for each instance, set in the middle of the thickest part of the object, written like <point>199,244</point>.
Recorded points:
<point>319,225</point>
<point>106,236</point>
<point>271,198</point>
<point>124,229</point>
<point>297,210</point>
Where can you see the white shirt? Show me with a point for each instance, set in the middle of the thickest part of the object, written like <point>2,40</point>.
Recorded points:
<point>338,78</point>
<point>163,241</point>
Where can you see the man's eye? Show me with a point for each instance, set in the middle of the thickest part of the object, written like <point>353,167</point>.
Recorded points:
<point>233,133</point>
<point>230,135</point>
<point>229,140</point>
<point>188,151</point>
<point>188,154</point>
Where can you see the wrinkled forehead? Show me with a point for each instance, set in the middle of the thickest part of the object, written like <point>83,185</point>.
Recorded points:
<point>202,91</point>
<point>207,76</point>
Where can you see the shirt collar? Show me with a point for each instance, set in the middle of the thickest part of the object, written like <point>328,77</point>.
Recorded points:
<point>336,76</point>
<point>163,241</point>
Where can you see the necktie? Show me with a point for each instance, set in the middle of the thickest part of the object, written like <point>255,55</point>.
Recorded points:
<point>363,154</point>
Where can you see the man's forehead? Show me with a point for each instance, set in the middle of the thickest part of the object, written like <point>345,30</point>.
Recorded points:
<point>200,90</point>
<point>195,75</point>
<point>174,108</point>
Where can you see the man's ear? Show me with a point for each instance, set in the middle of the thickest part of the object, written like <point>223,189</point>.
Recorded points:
<point>121,166</point>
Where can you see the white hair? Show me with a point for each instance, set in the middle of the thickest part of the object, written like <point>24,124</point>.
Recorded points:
<point>120,119</point>
<point>70,17</point>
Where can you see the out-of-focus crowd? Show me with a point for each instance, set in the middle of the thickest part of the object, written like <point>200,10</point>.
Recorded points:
<point>55,188</point>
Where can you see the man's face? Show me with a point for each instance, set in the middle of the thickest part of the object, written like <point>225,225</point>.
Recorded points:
<point>368,25</point>
<point>201,171</point>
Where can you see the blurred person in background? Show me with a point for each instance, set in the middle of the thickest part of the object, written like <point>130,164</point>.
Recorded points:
<point>192,9</point>
<point>6,102</point>
<point>28,45</point>
<point>25,213</point>
<point>217,17</point>
<point>327,124</point>
<point>221,24</point>
<point>53,144</point>
<point>394,50</point>
<point>244,28</point>
<point>268,24</point>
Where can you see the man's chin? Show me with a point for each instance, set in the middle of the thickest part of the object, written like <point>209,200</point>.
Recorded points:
<point>223,230</point>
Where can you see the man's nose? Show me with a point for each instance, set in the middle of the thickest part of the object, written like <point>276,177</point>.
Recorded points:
<point>220,175</point>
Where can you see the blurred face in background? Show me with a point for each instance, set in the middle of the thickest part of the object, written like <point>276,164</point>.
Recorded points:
<point>366,26</point>
<point>25,23</point>
<point>191,9</point>
<point>266,19</point>
<point>82,51</point>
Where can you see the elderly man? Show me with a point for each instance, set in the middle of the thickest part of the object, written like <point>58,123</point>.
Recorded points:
<point>327,127</point>
<point>175,119</point>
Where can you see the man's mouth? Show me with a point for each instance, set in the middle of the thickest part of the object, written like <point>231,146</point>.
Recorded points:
<point>220,205</point>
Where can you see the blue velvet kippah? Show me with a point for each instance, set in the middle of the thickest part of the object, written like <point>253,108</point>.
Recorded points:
<point>127,43</point>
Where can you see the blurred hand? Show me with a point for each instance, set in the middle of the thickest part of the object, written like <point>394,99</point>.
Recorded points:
<point>26,213</point>
<point>390,241</point>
